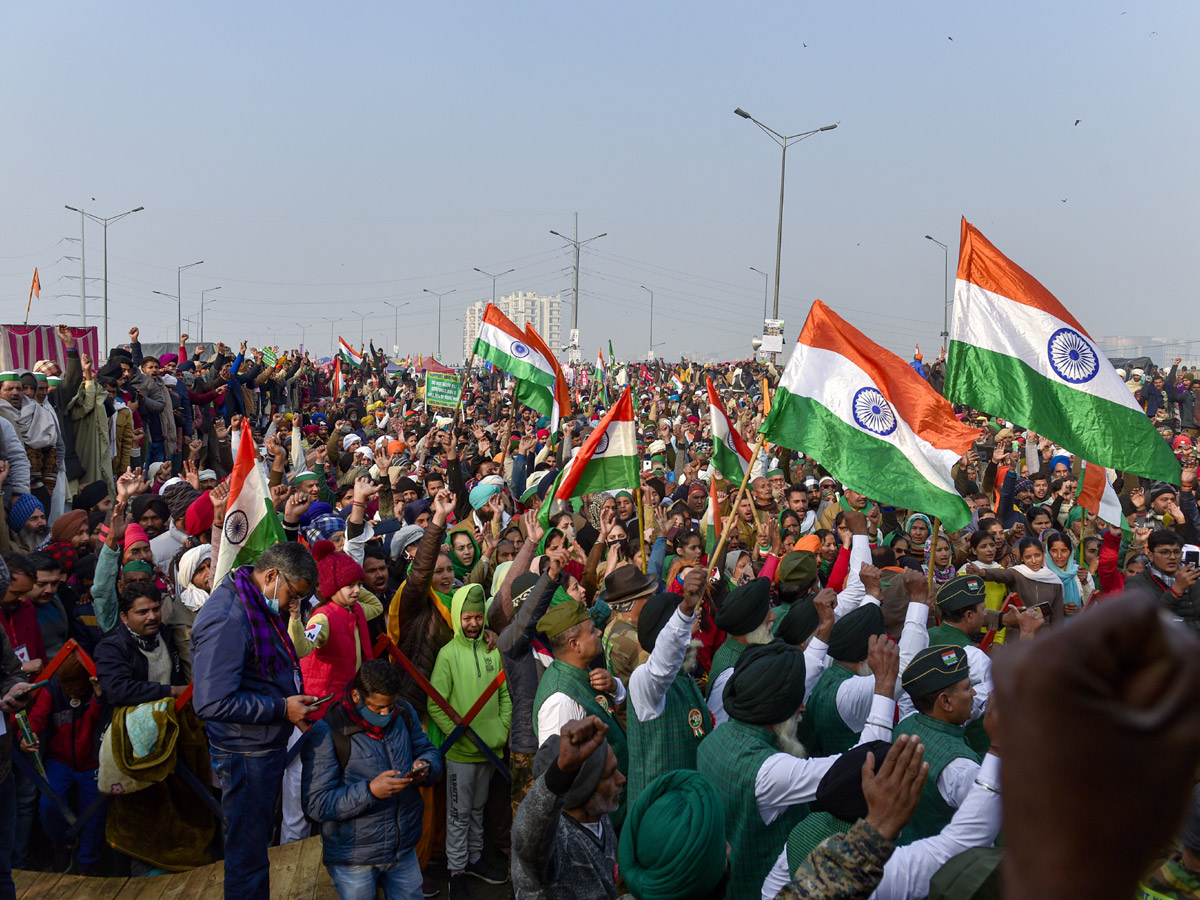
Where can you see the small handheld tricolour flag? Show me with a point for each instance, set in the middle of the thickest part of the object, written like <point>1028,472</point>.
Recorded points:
<point>1016,352</point>
<point>251,523</point>
<point>870,420</point>
<point>731,454</point>
<point>607,461</point>
<point>1097,495</point>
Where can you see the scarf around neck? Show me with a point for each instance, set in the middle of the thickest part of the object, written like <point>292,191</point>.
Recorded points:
<point>1044,575</point>
<point>270,661</point>
<point>145,644</point>
<point>1069,578</point>
<point>369,728</point>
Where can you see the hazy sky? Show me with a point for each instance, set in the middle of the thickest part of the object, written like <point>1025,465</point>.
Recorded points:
<point>323,158</point>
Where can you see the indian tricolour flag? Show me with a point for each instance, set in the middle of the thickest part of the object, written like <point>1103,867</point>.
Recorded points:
<point>731,454</point>
<point>607,461</point>
<point>506,347</point>
<point>348,353</point>
<point>1097,495</point>
<point>870,420</point>
<point>1016,352</point>
<point>553,401</point>
<point>710,522</point>
<point>251,523</point>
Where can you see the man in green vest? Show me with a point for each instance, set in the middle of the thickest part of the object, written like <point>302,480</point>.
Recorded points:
<point>938,682</point>
<point>746,618</point>
<point>757,764</point>
<point>797,580</point>
<point>960,606</point>
<point>668,717</point>
<point>568,691</point>
<point>840,700</point>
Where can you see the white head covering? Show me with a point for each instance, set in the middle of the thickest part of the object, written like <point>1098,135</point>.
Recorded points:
<point>191,596</point>
<point>350,440</point>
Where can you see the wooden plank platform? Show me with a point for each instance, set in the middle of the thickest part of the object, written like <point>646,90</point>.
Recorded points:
<point>296,874</point>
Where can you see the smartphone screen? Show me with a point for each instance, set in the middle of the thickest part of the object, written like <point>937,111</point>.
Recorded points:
<point>1191,556</point>
<point>1044,609</point>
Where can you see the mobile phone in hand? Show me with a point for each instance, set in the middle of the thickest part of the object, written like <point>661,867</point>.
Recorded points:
<point>321,700</point>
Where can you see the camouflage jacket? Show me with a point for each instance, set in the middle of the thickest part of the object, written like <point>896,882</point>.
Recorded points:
<point>844,867</point>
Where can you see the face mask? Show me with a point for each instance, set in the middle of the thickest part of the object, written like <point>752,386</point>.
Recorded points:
<point>379,720</point>
<point>273,600</point>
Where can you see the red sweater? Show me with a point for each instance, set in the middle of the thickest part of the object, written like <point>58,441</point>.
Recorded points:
<point>23,630</point>
<point>68,733</point>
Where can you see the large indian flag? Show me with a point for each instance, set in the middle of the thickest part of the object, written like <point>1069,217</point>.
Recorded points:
<point>507,348</point>
<point>731,454</point>
<point>251,523</point>
<point>553,401</point>
<point>870,420</point>
<point>1016,352</point>
<point>607,461</point>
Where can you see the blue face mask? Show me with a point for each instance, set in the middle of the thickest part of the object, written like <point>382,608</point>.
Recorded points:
<point>273,600</point>
<point>379,720</point>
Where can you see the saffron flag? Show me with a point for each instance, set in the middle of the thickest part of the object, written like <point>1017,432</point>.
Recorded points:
<point>870,420</point>
<point>731,454</point>
<point>1016,352</point>
<point>34,289</point>
<point>251,523</point>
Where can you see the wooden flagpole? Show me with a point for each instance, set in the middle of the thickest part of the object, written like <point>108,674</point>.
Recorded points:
<point>932,552</point>
<point>733,513</point>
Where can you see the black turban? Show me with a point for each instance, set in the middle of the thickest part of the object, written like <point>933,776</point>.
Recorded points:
<point>745,608</point>
<point>655,614</point>
<point>840,792</point>
<point>143,502</point>
<point>799,623</point>
<point>586,779</point>
<point>178,498</point>
<point>767,684</point>
<point>89,495</point>
<point>852,632</point>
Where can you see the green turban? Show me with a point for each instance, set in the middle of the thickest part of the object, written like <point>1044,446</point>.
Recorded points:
<point>798,625</point>
<point>673,842</point>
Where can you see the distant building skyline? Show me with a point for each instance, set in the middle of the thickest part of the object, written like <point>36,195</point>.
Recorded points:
<point>543,311</point>
<point>1163,350</point>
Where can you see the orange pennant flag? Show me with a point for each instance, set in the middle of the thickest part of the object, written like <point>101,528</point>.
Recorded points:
<point>35,288</point>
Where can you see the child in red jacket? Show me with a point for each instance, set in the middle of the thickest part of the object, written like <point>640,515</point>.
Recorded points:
<point>65,716</point>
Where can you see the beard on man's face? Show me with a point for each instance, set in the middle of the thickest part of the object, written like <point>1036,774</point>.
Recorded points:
<point>788,742</point>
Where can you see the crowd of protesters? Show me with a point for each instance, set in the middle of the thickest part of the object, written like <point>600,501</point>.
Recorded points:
<point>444,684</point>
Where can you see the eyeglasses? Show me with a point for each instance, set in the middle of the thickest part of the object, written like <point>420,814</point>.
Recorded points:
<point>1168,551</point>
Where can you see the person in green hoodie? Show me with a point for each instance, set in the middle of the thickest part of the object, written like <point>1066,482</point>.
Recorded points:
<point>464,669</point>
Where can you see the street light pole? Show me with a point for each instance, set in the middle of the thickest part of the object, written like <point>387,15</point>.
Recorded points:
<point>945,288</point>
<point>104,222</point>
<point>493,277</point>
<point>577,243</point>
<point>202,293</point>
<point>440,295</point>
<point>766,278</point>
<point>651,293</point>
<point>179,296</point>
<point>396,322</point>
<point>784,141</point>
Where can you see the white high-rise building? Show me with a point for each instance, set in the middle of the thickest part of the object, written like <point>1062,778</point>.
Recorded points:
<point>543,312</point>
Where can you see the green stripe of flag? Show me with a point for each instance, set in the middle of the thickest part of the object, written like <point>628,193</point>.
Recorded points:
<point>510,364</point>
<point>859,460</point>
<point>1099,430</point>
